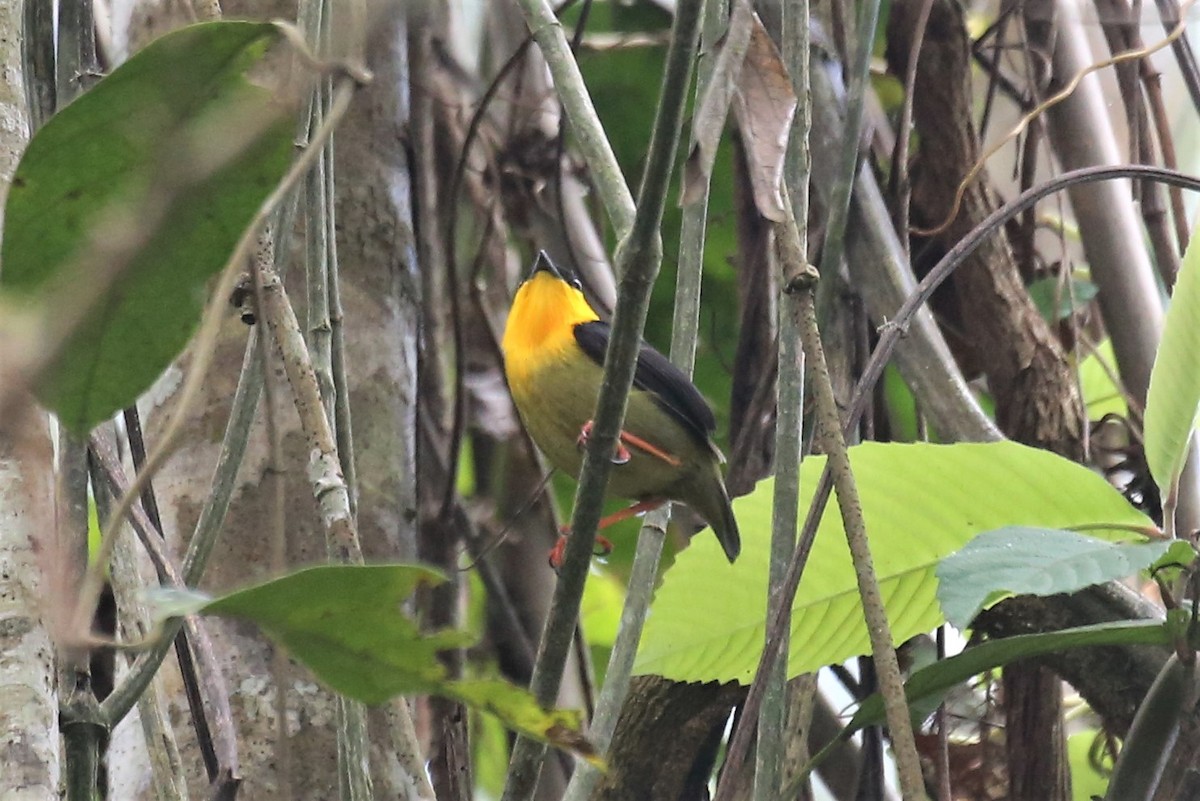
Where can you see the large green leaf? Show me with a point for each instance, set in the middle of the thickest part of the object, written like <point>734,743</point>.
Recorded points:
<point>921,503</point>
<point>1174,395</point>
<point>142,134</point>
<point>1020,560</point>
<point>345,622</point>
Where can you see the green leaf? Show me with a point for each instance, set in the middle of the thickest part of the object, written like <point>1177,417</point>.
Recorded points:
<point>1171,564</point>
<point>1174,394</point>
<point>921,503</point>
<point>600,609</point>
<point>943,675</point>
<point>1100,393</point>
<point>345,622</point>
<point>143,135</point>
<point>1053,300</point>
<point>1018,560</point>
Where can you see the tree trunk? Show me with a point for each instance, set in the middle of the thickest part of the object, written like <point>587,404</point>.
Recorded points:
<point>29,596</point>
<point>380,294</point>
<point>673,723</point>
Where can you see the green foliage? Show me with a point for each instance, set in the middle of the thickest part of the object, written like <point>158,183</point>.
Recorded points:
<point>1019,560</point>
<point>600,609</point>
<point>901,407</point>
<point>921,503</point>
<point>1174,394</point>
<point>140,156</point>
<point>346,624</point>
<point>618,16</point>
<point>1056,302</point>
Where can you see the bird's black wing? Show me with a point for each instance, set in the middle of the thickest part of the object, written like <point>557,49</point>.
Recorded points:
<point>671,389</point>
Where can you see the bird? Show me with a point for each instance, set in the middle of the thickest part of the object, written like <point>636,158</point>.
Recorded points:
<point>554,344</point>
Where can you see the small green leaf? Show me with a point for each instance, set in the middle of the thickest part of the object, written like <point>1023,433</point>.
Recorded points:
<point>921,502</point>
<point>1019,560</point>
<point>1181,554</point>
<point>1174,395</point>
<point>1056,302</point>
<point>345,622</point>
<point>129,146</point>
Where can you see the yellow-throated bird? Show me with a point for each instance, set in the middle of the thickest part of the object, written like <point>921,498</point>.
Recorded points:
<point>554,346</point>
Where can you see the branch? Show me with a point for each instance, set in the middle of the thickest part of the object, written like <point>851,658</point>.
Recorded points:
<point>638,259</point>
<point>772,721</point>
<point>588,132</point>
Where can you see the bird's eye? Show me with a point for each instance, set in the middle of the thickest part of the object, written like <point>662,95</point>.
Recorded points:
<point>575,282</point>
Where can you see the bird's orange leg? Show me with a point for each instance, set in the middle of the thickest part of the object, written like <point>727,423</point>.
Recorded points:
<point>603,545</point>
<point>621,455</point>
<point>646,447</point>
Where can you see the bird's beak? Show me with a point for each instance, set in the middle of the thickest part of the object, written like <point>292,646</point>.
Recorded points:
<point>543,264</point>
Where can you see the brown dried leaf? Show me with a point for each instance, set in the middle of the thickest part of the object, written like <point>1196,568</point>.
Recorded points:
<point>708,122</point>
<point>764,106</point>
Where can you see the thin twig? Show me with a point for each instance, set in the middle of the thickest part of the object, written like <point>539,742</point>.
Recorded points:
<point>899,184</point>
<point>276,512</point>
<point>651,538</point>
<point>333,500</point>
<point>212,517</point>
<point>838,459</point>
<point>638,257</point>
<point>183,651</point>
<point>839,195</point>
<point>222,746</point>
<point>769,753</point>
<point>589,134</point>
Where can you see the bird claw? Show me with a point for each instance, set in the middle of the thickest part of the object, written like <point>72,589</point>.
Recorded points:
<point>603,548</point>
<point>621,454</point>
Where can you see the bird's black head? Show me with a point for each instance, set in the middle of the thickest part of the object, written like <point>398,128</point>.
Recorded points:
<point>543,263</point>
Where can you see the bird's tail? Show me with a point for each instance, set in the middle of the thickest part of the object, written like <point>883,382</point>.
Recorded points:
<point>717,511</point>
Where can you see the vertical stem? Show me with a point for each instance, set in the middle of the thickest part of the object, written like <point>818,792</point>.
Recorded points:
<point>891,683</point>
<point>839,199</point>
<point>81,725</point>
<point>638,259</point>
<point>684,331</point>
<point>789,412</point>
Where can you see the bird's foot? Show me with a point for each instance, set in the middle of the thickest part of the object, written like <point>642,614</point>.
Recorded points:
<point>603,548</point>
<point>603,545</point>
<point>621,454</point>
